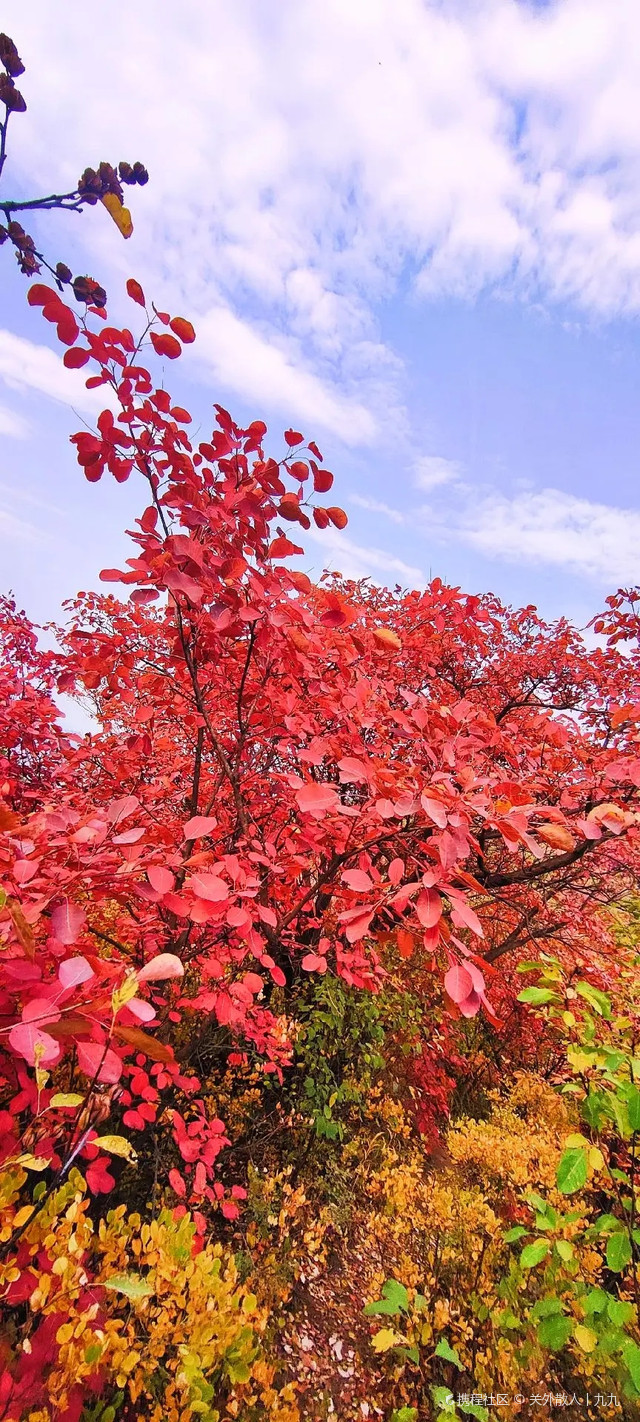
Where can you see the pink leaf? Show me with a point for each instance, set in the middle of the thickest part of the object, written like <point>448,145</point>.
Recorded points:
<point>160,879</point>
<point>396,871</point>
<point>470,1006</point>
<point>313,963</point>
<point>352,770</point>
<point>253,982</point>
<point>130,836</point>
<point>357,879</point>
<point>199,825</point>
<point>435,810</point>
<point>177,1183</point>
<point>165,965</point>
<point>429,908</point>
<point>67,922</point>
<point>463,916</point>
<point>24,870</point>
<point>121,809</point>
<point>458,983</point>
<point>25,1037</point>
<point>40,1010</point>
<point>316,799</point>
<point>99,1063</point>
<point>141,1010</point>
<point>74,971</point>
<point>208,886</point>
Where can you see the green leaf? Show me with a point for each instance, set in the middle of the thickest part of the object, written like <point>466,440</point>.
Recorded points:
<point>473,1409</point>
<point>444,1350</point>
<point>632,1360</point>
<point>596,999</point>
<point>571,1174</point>
<point>404,1414</point>
<point>619,1251</point>
<point>444,1400</point>
<point>132,1285</point>
<point>554,1331</point>
<point>620,1311</point>
<point>564,1250</point>
<point>515,1233</point>
<point>596,1301</point>
<point>533,1254</point>
<point>633,1108</point>
<point>544,1308</point>
<point>395,1299</point>
<point>536,996</point>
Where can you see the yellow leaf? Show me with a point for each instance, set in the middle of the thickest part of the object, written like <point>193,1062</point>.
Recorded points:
<point>386,1338</point>
<point>66,1098</point>
<point>117,1145</point>
<point>22,1216</point>
<point>120,214</point>
<point>123,994</point>
<point>596,1158</point>
<point>576,1140</point>
<point>33,1162</point>
<point>585,1338</point>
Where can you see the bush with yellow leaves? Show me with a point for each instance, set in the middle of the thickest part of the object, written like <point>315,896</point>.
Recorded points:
<point>135,1314</point>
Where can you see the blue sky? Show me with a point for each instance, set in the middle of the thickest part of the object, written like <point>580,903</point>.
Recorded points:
<point>409,227</point>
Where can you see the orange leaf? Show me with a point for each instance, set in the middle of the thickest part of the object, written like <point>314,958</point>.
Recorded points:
<point>143,1042</point>
<point>23,929</point>
<point>556,836</point>
<point>406,943</point>
<point>338,517</point>
<point>386,640</point>
<point>119,213</point>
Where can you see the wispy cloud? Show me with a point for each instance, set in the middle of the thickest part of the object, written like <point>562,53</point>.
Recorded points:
<point>555,529</point>
<point>431,471</point>
<point>259,370</point>
<point>23,364</point>
<point>376,506</point>
<point>338,552</point>
<point>12,425</point>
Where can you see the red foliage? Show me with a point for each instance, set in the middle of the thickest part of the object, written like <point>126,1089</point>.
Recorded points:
<point>284,778</point>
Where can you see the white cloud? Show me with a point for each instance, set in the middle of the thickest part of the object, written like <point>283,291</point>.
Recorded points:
<point>12,424</point>
<point>376,506</point>
<point>259,370</point>
<point>303,158</point>
<point>340,553</point>
<point>24,364</point>
<point>557,529</point>
<point>431,470</point>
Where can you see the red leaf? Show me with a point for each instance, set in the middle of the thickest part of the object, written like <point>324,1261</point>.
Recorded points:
<point>357,879</point>
<point>183,329</point>
<point>98,1062</point>
<point>208,886</point>
<point>313,963</point>
<point>198,826</point>
<point>40,295</point>
<point>316,799</point>
<point>26,1038</point>
<point>160,879</point>
<point>322,480</point>
<point>75,358</point>
<point>134,290</point>
<point>166,345</point>
<point>338,517</point>
<point>293,437</point>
